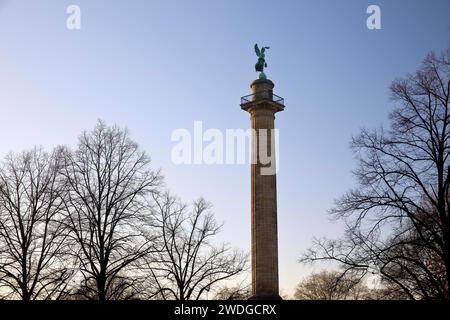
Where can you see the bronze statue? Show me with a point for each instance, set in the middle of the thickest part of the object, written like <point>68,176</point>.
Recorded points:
<point>261,64</point>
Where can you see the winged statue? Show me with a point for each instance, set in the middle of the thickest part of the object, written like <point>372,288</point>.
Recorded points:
<point>261,64</point>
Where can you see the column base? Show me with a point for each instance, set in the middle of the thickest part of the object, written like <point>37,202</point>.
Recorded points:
<point>265,297</point>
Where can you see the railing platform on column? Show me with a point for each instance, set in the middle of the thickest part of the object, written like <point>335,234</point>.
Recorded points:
<point>262,95</point>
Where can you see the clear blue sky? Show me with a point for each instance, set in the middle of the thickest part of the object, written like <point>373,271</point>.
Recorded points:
<point>155,66</point>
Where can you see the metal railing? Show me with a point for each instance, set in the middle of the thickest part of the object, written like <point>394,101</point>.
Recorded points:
<point>262,95</point>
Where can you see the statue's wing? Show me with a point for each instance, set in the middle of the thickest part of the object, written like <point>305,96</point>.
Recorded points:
<point>257,50</point>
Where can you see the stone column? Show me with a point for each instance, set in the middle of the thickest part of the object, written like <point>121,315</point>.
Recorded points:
<point>262,109</point>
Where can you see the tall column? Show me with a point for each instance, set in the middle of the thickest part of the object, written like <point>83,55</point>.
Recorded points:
<point>262,105</point>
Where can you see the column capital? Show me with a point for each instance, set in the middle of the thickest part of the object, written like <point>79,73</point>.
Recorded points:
<point>262,97</point>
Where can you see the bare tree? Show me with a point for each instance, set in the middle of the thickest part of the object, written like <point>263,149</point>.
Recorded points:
<point>32,234</point>
<point>237,292</point>
<point>188,264</point>
<point>398,218</point>
<point>125,287</point>
<point>108,181</point>
<point>331,285</point>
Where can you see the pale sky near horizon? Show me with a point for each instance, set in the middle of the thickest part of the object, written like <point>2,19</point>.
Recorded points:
<point>155,66</point>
